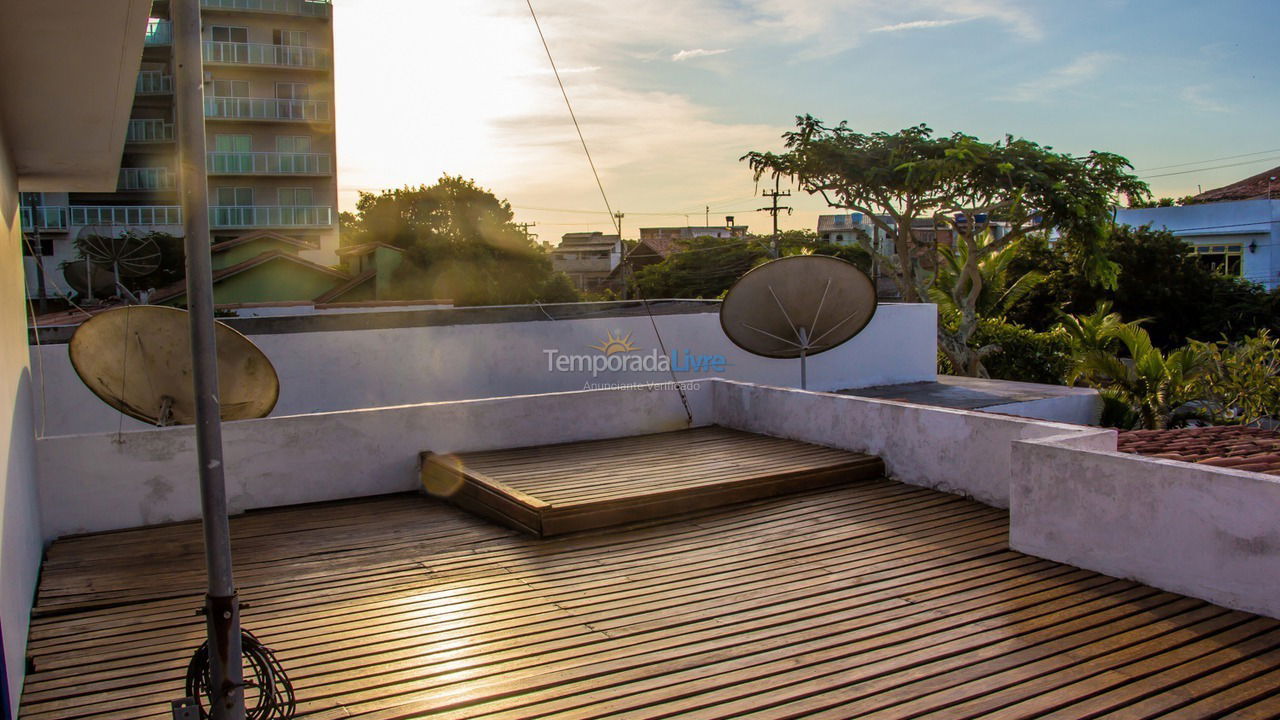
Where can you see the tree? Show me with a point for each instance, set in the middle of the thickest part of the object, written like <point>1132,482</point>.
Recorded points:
<point>897,179</point>
<point>460,242</point>
<point>1242,385</point>
<point>1155,385</point>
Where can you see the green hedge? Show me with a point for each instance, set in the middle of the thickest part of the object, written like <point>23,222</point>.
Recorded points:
<point>1024,355</point>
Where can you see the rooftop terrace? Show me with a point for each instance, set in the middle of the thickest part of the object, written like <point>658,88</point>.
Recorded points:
<point>877,599</point>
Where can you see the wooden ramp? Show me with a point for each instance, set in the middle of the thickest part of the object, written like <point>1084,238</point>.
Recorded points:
<point>557,489</point>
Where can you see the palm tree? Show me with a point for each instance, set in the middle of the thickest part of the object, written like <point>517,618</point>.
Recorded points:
<point>1153,384</point>
<point>1095,332</point>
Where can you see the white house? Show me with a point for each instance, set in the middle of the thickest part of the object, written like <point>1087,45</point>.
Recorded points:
<point>1240,237</point>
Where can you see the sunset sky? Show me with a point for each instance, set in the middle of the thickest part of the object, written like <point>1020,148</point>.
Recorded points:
<point>670,94</point>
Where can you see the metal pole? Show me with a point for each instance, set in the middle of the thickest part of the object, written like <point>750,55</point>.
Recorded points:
<point>222,608</point>
<point>804,367</point>
<point>36,216</point>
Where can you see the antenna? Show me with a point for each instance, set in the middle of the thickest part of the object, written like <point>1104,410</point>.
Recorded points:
<point>137,359</point>
<point>798,306</point>
<point>125,256</point>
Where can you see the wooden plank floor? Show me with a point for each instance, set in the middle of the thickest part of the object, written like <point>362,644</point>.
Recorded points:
<point>556,489</point>
<point>869,600</point>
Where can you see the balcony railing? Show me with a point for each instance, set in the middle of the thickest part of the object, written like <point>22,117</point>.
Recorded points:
<point>269,163</point>
<point>231,108</point>
<point>265,216</point>
<point>154,82</point>
<point>159,32</point>
<point>50,217</point>
<point>149,131</point>
<point>308,8</point>
<point>153,178</point>
<point>296,56</point>
<point>126,215</point>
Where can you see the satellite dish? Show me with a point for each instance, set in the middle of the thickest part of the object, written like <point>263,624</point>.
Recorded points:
<point>137,359</point>
<point>127,255</point>
<point>798,306</point>
<point>78,273</point>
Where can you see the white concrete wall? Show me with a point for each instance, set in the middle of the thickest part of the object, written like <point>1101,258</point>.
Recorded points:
<point>1208,532</point>
<point>1243,221</point>
<point>951,450</point>
<point>20,541</point>
<point>100,482</point>
<point>328,371</point>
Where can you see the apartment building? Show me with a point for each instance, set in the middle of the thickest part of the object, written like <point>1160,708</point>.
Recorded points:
<point>588,258</point>
<point>269,102</point>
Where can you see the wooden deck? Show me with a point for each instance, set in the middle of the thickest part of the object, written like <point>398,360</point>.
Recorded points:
<point>869,600</point>
<point>557,489</point>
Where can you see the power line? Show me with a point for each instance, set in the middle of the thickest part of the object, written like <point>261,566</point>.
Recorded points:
<point>1215,167</point>
<point>1201,162</point>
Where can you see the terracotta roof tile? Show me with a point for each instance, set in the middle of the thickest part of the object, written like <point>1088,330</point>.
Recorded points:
<point>1255,187</point>
<point>1241,448</point>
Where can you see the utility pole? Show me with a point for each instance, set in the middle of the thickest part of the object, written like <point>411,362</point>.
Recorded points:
<point>773,210</point>
<point>524,229</point>
<point>221,604</point>
<point>625,275</point>
<point>707,221</point>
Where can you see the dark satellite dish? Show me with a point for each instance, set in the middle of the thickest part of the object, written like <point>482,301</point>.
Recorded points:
<point>78,274</point>
<point>137,359</point>
<point>126,255</point>
<point>798,306</point>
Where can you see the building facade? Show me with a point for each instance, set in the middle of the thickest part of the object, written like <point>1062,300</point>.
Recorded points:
<point>588,258</point>
<point>1239,238</point>
<point>269,127</point>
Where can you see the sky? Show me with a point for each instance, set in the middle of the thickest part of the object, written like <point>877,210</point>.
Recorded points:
<point>671,94</point>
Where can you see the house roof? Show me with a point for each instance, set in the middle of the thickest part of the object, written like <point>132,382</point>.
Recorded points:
<point>1250,188</point>
<point>261,235</point>
<point>180,288</point>
<point>366,248</point>
<point>1238,448</point>
<point>661,246</point>
<point>346,287</point>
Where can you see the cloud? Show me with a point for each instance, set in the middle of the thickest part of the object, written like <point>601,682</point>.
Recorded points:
<point>1073,74</point>
<point>696,53</point>
<point>1198,97</point>
<point>918,25</point>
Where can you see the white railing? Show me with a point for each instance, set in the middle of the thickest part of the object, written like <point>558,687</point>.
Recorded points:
<point>308,8</point>
<point>126,215</point>
<point>258,216</point>
<point>231,108</point>
<point>149,131</point>
<point>234,53</point>
<point>51,218</point>
<point>153,178</point>
<point>159,32</point>
<point>154,82</point>
<point>269,163</point>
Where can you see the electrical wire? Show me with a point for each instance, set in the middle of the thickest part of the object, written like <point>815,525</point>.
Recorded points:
<point>684,400</point>
<point>268,693</point>
<point>1217,159</point>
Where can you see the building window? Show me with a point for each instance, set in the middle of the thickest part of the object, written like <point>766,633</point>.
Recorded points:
<point>291,91</point>
<point>839,238</point>
<point>1227,259</point>
<point>294,38</point>
<point>221,33</point>
<point>232,143</point>
<point>294,196</point>
<point>46,245</point>
<point>231,88</point>
<point>293,143</point>
<point>235,196</point>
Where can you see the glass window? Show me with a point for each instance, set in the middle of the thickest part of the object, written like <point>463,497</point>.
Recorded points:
<point>1225,259</point>
<point>233,143</point>
<point>293,143</point>
<point>221,33</point>
<point>231,88</point>
<point>296,38</point>
<point>291,91</point>
<point>228,196</point>
<point>294,196</point>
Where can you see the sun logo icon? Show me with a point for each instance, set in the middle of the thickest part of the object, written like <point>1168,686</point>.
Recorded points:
<point>613,344</point>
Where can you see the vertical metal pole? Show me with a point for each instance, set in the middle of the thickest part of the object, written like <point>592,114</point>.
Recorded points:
<point>222,607</point>
<point>804,366</point>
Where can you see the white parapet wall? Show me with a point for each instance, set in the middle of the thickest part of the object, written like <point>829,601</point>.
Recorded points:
<point>367,365</point>
<point>1204,531</point>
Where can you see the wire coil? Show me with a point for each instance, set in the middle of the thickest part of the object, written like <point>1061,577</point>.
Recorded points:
<point>268,692</point>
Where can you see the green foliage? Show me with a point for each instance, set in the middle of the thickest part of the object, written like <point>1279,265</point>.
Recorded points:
<point>1154,384</point>
<point>1159,278</point>
<point>1017,353</point>
<point>460,242</point>
<point>1242,384</point>
<point>998,289</point>
<point>704,267</point>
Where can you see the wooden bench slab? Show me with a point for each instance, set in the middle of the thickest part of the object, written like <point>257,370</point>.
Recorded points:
<point>556,489</point>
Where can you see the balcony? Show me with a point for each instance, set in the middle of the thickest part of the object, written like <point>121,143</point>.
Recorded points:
<point>50,217</point>
<point>154,82</point>
<point>153,178</point>
<point>159,32</point>
<point>266,109</point>
<point>270,163</point>
<point>291,56</point>
<point>305,8</point>
<point>149,131</point>
<point>270,216</point>
<point>126,215</point>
